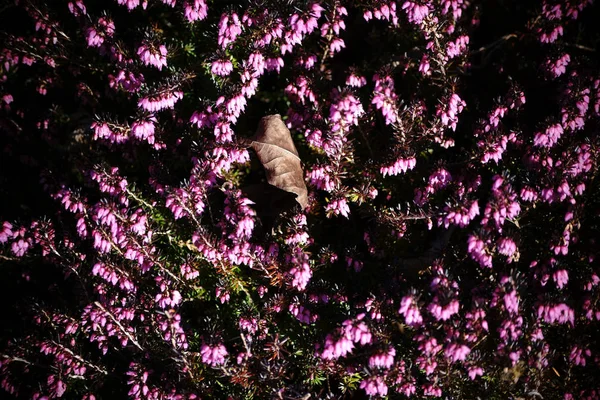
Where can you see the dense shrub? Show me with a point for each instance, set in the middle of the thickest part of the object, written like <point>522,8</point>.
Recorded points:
<point>448,248</point>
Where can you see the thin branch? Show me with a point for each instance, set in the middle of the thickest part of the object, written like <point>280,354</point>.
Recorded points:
<point>495,43</point>
<point>131,338</point>
<point>581,47</point>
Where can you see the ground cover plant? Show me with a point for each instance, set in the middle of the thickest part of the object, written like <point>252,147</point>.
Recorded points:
<point>267,199</point>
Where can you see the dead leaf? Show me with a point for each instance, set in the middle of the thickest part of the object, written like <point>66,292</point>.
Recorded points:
<point>276,152</point>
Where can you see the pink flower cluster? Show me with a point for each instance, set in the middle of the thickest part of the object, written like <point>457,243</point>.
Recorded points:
<point>387,11</point>
<point>131,4</point>
<point>213,355</point>
<point>230,28</point>
<point>374,386</point>
<point>221,67</point>
<point>385,98</point>
<point>478,251</point>
<point>448,112</point>
<point>383,360</point>
<point>105,29</point>
<point>196,10</point>
<point>338,207</point>
<point>410,310</point>
<point>159,102</point>
<point>323,178</point>
<point>457,47</point>
<point>560,313</point>
<point>153,55</point>
<point>341,343</point>
<point>401,165</point>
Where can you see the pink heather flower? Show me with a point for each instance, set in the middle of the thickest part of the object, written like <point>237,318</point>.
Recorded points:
<point>460,216</point>
<point>103,131</point>
<point>302,314</point>
<point>307,62</point>
<point>94,39</point>
<point>561,278</point>
<point>188,272</point>
<point>161,102</point>
<point>578,356</point>
<point>299,27</point>
<point>443,313</point>
<point>196,10</point>
<point>455,6</point>
<point>478,251</point>
<point>300,91</point>
<point>410,310</point>
<point>249,325</point>
<point>551,37</point>
<point>416,13</point>
<point>474,372</point>
<point>301,276</point>
<point>511,302</point>
<point>550,137</point>
<point>204,119</point>
<point>424,66</point>
<point>230,28</point>
<point>314,137</point>
<point>384,12</point>
<point>144,130</point>
<point>428,346</point>
<point>507,247</point>
<point>383,359</point>
<point>558,67</point>
<point>20,247</point>
<point>528,194</point>
<point>455,352</point>
<point>6,232</point>
<point>105,29</point>
<point>338,207</point>
<point>127,81</point>
<point>457,47</point>
<point>357,332</point>
<point>166,300</point>
<point>222,295</point>
<point>332,350</point>
<point>374,386</point>
<point>345,113</point>
<point>560,313</point>
<point>77,8</point>
<point>385,98</point>
<point>274,64</point>
<point>336,45</point>
<point>356,80</point>
<point>448,112</point>
<point>131,4</point>
<point>439,179</point>
<point>213,356</point>
<point>401,165</point>
<point>221,67</point>
<point>321,178</point>
<point>150,55</point>
<point>256,61</point>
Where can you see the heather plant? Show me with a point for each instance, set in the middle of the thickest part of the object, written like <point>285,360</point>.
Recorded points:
<point>447,246</point>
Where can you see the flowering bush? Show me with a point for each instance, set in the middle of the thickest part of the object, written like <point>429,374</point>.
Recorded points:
<point>449,247</point>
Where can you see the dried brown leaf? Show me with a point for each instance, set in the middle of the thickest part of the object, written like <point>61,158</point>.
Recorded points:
<point>276,152</point>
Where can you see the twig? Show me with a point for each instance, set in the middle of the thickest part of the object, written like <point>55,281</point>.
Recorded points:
<point>494,43</point>
<point>581,47</point>
<point>131,338</point>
